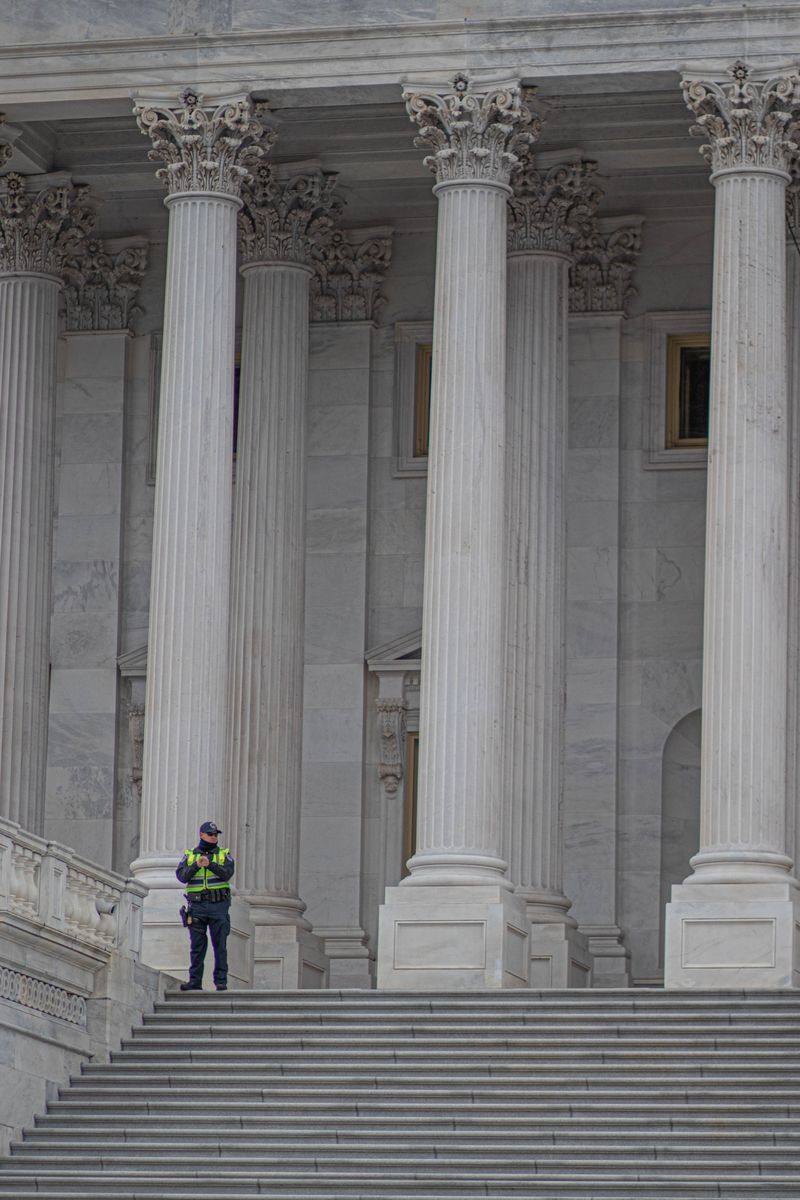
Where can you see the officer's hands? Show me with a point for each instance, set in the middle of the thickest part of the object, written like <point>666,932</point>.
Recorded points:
<point>203,860</point>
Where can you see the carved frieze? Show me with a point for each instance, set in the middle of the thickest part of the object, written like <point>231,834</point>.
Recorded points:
<point>42,997</point>
<point>42,224</point>
<point>282,219</point>
<point>748,122</point>
<point>349,267</point>
<point>549,207</point>
<point>392,729</point>
<point>476,130</point>
<point>207,145</point>
<point>102,283</point>
<point>603,263</point>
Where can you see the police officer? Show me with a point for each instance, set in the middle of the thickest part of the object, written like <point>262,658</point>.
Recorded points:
<point>206,871</point>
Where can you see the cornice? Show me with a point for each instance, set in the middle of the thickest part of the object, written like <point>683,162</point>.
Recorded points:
<point>697,14</point>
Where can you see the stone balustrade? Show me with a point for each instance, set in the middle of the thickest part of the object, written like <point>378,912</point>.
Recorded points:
<point>52,887</point>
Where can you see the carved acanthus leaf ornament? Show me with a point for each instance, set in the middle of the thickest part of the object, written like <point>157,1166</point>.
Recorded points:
<point>349,269</point>
<point>601,272</point>
<point>392,728</point>
<point>41,227</point>
<point>102,285</point>
<point>549,207</point>
<point>207,147</point>
<point>476,131</point>
<point>749,123</point>
<point>282,219</point>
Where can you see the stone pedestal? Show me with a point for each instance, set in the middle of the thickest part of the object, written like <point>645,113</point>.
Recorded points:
<point>733,923</point>
<point>455,907</point>
<point>452,938</point>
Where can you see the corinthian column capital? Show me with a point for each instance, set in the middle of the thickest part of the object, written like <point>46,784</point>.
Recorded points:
<point>283,217</point>
<point>42,223</point>
<point>476,130</point>
<point>549,206</point>
<point>207,145</point>
<point>102,283</point>
<point>749,123</point>
<point>349,267</point>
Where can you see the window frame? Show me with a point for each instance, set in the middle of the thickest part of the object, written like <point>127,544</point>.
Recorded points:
<point>408,336</point>
<point>660,455</point>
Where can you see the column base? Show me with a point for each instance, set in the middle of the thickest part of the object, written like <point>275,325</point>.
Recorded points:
<point>165,942</point>
<point>286,957</point>
<point>452,938</point>
<point>351,964</point>
<point>611,960</point>
<point>559,957</point>
<point>733,935</point>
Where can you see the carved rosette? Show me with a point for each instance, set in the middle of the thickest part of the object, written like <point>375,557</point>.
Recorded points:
<point>477,131</point>
<point>282,219</point>
<point>41,227</point>
<point>602,267</point>
<point>207,146</point>
<point>748,123</point>
<point>102,285</point>
<point>549,207</point>
<point>392,729</point>
<point>349,269</point>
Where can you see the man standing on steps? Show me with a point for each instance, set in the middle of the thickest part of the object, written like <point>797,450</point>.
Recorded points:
<point>207,871</point>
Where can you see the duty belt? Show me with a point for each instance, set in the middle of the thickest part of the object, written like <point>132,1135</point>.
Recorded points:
<point>213,895</point>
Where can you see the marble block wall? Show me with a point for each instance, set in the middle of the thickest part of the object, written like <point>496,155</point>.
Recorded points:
<point>81,753</point>
<point>336,619</point>
<point>662,569</point>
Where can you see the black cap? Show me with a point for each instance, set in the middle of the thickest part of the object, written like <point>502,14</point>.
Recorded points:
<point>209,827</point>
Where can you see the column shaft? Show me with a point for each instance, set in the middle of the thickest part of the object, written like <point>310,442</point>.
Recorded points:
<point>267,620</point>
<point>460,741</point>
<point>28,335</point>
<point>535,598</point>
<point>743,766</point>
<point>186,697</point>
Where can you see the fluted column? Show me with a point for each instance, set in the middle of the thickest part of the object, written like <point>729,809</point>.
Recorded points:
<point>743,862</point>
<point>283,217</point>
<point>41,223</point>
<point>206,147</point>
<point>544,213</point>
<point>473,131</point>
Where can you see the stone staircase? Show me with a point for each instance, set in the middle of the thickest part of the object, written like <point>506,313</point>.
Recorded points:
<point>399,1096</point>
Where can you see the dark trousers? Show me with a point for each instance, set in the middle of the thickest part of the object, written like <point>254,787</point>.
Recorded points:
<point>214,919</point>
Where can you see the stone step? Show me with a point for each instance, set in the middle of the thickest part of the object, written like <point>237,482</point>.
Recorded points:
<point>311,1187</point>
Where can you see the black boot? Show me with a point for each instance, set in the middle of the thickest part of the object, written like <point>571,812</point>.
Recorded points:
<point>191,987</point>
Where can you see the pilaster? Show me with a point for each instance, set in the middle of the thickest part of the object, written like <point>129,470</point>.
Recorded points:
<point>102,283</point>
<point>454,923</point>
<point>734,918</point>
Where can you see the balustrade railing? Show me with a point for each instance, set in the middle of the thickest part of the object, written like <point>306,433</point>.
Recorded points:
<point>51,886</point>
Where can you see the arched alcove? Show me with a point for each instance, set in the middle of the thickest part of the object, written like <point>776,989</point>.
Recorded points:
<point>680,805</point>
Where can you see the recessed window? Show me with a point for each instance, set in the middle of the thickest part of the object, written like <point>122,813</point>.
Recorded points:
<point>410,799</point>
<point>412,397</point>
<point>677,431</point>
<point>688,379</point>
<point>422,398</point>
